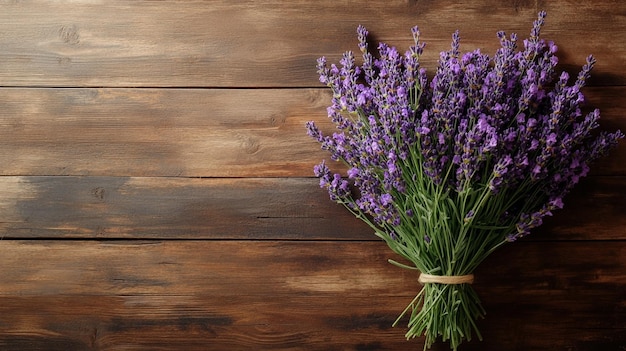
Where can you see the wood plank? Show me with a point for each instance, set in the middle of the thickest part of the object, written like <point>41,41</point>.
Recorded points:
<point>190,132</point>
<point>173,208</point>
<point>270,43</point>
<point>133,302</point>
<point>197,268</point>
<point>292,295</point>
<point>259,208</point>
<point>195,323</point>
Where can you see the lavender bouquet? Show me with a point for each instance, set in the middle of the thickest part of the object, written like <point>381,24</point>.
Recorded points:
<point>449,169</point>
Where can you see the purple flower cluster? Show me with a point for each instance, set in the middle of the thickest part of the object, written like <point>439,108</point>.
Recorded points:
<point>507,123</point>
<point>373,108</point>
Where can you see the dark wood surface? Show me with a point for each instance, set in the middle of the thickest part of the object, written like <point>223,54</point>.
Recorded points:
<point>156,189</point>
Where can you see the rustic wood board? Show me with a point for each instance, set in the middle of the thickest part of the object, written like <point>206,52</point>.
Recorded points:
<point>271,43</point>
<point>170,208</point>
<point>291,295</point>
<point>190,132</point>
<point>252,208</point>
<point>156,187</point>
<point>163,132</point>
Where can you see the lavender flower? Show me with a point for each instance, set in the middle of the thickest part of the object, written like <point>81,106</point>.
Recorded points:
<point>449,168</point>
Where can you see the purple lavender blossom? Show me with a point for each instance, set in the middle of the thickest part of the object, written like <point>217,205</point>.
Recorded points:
<point>447,169</point>
<point>503,123</point>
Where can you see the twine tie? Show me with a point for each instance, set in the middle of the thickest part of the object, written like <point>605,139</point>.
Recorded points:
<point>446,279</point>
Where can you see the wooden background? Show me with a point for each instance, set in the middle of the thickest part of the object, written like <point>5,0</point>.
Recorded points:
<point>156,189</point>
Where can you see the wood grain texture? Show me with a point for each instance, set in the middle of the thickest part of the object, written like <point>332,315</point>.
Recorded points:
<point>252,208</point>
<point>270,43</point>
<point>78,295</point>
<point>191,132</point>
<point>160,132</point>
<point>171,208</point>
<point>156,188</point>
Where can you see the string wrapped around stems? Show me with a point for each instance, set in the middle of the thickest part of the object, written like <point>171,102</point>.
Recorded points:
<point>446,279</point>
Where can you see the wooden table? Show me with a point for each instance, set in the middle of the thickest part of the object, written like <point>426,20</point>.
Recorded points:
<point>156,187</point>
